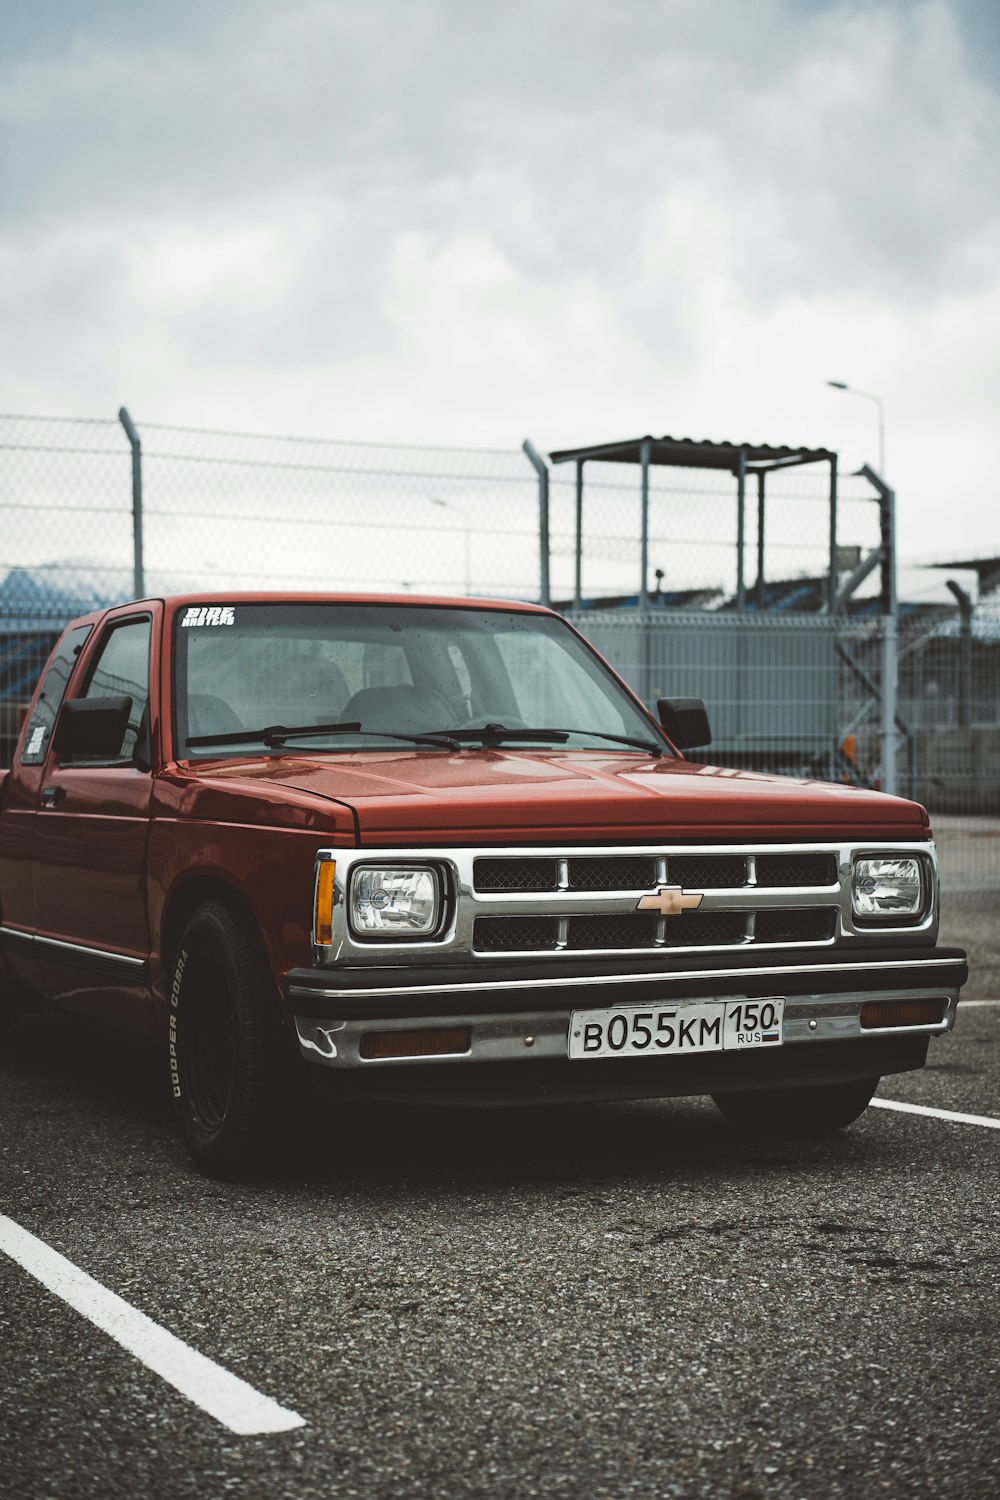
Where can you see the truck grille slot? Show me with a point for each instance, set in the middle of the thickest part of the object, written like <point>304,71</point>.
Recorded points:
<point>698,872</point>
<point>496,875</point>
<point>628,931</point>
<point>697,929</point>
<point>810,924</point>
<point>707,872</point>
<point>627,874</point>
<point>796,869</point>
<point>715,929</point>
<point>515,934</point>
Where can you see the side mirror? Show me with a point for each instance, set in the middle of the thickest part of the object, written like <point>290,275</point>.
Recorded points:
<point>92,728</point>
<point>685,721</point>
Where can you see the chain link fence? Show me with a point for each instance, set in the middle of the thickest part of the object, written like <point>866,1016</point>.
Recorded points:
<point>228,511</point>
<point>790,690</point>
<point>770,682</point>
<point>948,727</point>
<point>948,704</point>
<point>65,542</point>
<point>232,511</point>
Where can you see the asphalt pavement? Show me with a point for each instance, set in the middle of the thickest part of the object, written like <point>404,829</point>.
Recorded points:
<point>618,1300</point>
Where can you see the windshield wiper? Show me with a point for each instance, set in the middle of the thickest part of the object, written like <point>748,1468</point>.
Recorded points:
<point>275,735</point>
<point>623,739</point>
<point>495,734</point>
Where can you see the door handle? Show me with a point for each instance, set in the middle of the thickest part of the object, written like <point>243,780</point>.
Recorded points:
<point>51,795</point>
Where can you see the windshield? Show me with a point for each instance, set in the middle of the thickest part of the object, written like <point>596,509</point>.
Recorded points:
<point>392,669</point>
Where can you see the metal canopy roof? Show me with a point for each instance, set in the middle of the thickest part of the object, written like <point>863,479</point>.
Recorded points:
<point>694,453</point>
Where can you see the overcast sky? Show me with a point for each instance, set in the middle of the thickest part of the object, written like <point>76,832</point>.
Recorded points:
<point>465,221</point>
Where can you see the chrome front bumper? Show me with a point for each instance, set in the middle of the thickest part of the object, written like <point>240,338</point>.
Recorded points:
<point>525,1036</point>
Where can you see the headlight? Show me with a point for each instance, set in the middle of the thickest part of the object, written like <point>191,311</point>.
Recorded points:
<point>887,888</point>
<point>391,902</point>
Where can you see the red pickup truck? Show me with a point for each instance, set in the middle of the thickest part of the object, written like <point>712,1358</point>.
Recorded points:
<point>431,848</point>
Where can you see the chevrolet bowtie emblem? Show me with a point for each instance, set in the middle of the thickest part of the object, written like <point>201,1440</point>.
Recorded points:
<point>670,901</point>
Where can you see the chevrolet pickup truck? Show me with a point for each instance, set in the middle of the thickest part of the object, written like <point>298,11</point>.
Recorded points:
<point>437,849</point>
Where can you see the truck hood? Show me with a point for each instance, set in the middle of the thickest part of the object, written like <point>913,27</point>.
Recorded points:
<point>520,797</point>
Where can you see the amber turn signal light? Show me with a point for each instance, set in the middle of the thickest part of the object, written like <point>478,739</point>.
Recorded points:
<point>323,924</point>
<point>443,1041</point>
<point>877,1015</point>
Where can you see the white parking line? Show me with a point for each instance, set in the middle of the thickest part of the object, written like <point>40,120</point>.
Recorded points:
<point>964,1004</point>
<point>937,1114</point>
<point>224,1396</point>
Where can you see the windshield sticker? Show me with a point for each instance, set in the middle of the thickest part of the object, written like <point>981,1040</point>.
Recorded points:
<point>37,740</point>
<point>204,614</point>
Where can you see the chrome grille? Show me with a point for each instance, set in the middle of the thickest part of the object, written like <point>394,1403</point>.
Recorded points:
<point>737,907</point>
<point>548,900</point>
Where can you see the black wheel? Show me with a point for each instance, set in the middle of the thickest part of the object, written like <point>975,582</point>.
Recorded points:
<point>232,1063</point>
<point>815,1111</point>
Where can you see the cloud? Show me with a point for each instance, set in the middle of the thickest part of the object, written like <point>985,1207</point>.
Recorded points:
<point>425,219</point>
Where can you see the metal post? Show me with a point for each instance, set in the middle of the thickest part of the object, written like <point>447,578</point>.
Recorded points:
<point>888,728</point>
<point>964,602</point>
<point>138,570</point>
<point>644,456</point>
<point>541,469</point>
<point>890,662</point>
<point>761,485</point>
<point>578,570</point>
<point>831,591</point>
<point>890,650</point>
<point>741,525</point>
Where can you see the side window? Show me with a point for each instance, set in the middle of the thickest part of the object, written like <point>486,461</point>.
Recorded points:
<point>36,741</point>
<point>122,670</point>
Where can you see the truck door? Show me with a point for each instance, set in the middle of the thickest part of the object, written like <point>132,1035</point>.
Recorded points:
<point>17,824</point>
<point>89,858</point>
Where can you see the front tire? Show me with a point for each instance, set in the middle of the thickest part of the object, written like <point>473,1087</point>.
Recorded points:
<point>798,1113</point>
<point>232,1062</point>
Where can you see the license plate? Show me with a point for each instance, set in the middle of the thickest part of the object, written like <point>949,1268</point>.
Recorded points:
<point>671,1030</point>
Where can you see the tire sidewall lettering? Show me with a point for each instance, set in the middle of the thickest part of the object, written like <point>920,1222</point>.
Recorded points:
<point>175,994</point>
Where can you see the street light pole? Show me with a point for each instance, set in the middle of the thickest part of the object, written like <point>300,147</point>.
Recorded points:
<point>841,385</point>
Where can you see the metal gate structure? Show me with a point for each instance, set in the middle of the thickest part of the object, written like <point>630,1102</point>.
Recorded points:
<point>774,656</point>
